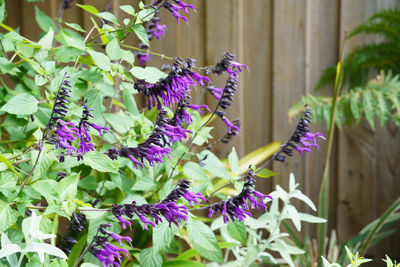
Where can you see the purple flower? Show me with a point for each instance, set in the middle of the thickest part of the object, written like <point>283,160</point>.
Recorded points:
<point>65,134</point>
<point>123,222</point>
<point>192,197</point>
<point>231,126</point>
<point>143,58</point>
<point>99,128</point>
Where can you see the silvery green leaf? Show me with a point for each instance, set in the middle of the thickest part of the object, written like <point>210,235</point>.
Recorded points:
<point>42,248</point>
<point>294,216</point>
<point>311,218</point>
<point>292,183</point>
<point>9,249</point>
<point>305,199</point>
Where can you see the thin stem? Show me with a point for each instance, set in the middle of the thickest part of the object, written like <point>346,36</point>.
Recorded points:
<point>87,36</point>
<point>43,208</point>
<point>147,51</point>
<point>84,252</point>
<point>60,14</point>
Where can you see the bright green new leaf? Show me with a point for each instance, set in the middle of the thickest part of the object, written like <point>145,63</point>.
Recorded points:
<point>21,104</point>
<point>44,21</point>
<point>89,8</point>
<point>108,16</point>
<point>9,165</point>
<point>141,34</point>
<point>266,173</point>
<point>113,50</point>
<point>128,9</point>
<point>99,162</point>
<point>101,60</point>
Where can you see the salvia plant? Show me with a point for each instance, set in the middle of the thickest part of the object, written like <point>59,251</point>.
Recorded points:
<point>90,178</point>
<point>366,97</point>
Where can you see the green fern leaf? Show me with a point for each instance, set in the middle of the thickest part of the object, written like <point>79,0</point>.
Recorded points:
<point>382,109</point>
<point>355,105</point>
<point>368,105</point>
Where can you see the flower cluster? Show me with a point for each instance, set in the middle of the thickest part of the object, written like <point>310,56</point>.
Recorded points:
<point>302,140</point>
<point>167,208</point>
<point>225,95</point>
<point>106,252</point>
<point>156,146</point>
<point>175,87</point>
<point>238,206</point>
<point>176,8</point>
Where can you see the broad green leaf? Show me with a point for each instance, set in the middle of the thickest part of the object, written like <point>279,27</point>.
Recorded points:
<point>113,50</point>
<point>95,100</point>
<point>99,162</point>
<point>149,257</point>
<point>9,165</point>
<point>46,188</point>
<point>101,60</point>
<point>8,216</point>
<point>141,34</point>
<point>265,173</point>
<point>121,122</point>
<point>75,26</point>
<point>44,21</point>
<point>234,161</point>
<point>74,42</point>
<point>145,15</point>
<point>163,235</point>
<point>149,74</point>
<point>212,164</point>
<point>47,41</point>
<point>128,9</point>
<point>8,180</point>
<point>89,8</point>
<point>3,12</point>
<point>204,240</point>
<point>194,171</point>
<point>44,164</point>
<point>128,56</point>
<point>21,104</point>
<point>40,80</point>
<point>67,187</point>
<point>108,16</point>
<point>237,230</point>
<point>130,102</point>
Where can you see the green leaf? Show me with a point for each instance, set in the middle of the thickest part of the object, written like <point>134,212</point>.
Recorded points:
<point>75,26</point>
<point>99,162</point>
<point>101,60</point>
<point>21,104</point>
<point>67,187</point>
<point>183,263</point>
<point>108,16</point>
<point>266,173</point>
<point>44,21</point>
<point>149,74</point>
<point>145,15</point>
<point>310,218</point>
<point>74,42</point>
<point>382,109</point>
<point>368,105</point>
<point>8,180</point>
<point>89,8</point>
<point>130,102</point>
<point>8,216</point>
<point>128,9</point>
<point>194,171</point>
<point>237,230</point>
<point>213,165</point>
<point>141,34</point>
<point>9,165</point>
<point>163,235</point>
<point>44,164</point>
<point>234,161</point>
<point>3,12</point>
<point>204,240</point>
<point>113,50</point>
<point>150,258</point>
<point>355,104</point>
<point>95,100</point>
<point>46,188</point>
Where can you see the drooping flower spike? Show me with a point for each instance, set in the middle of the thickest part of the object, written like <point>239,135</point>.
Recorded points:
<point>237,207</point>
<point>76,226</point>
<point>167,209</point>
<point>107,253</point>
<point>302,140</point>
<point>177,7</point>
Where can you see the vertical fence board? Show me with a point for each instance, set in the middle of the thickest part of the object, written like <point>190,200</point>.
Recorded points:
<point>288,78</point>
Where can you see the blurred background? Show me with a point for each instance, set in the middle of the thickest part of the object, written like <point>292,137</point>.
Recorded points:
<point>286,44</point>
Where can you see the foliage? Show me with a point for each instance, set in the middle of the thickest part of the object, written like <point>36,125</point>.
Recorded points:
<point>79,147</point>
<point>370,99</point>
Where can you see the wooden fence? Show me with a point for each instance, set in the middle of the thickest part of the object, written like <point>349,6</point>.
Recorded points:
<point>286,44</point>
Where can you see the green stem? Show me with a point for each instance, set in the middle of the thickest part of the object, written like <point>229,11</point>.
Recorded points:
<point>323,203</point>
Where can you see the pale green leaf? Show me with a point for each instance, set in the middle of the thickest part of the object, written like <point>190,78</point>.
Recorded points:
<point>8,216</point>
<point>99,162</point>
<point>149,74</point>
<point>101,60</point>
<point>21,104</point>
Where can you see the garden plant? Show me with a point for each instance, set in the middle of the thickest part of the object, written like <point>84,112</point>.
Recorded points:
<point>90,178</point>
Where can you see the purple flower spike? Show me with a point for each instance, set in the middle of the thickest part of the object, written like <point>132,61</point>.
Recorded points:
<point>230,125</point>
<point>146,222</point>
<point>185,6</point>
<point>239,66</point>
<point>124,222</point>
<point>135,161</point>
<point>197,107</point>
<point>174,9</point>
<point>191,197</point>
<point>143,58</point>
<point>118,238</point>
<point>99,128</point>
<point>202,80</point>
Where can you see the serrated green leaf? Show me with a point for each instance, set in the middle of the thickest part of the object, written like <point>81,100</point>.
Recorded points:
<point>99,162</point>
<point>21,104</point>
<point>67,187</point>
<point>234,161</point>
<point>101,60</point>
<point>150,258</point>
<point>194,171</point>
<point>149,74</point>
<point>204,240</point>
<point>8,180</point>
<point>108,16</point>
<point>212,164</point>
<point>237,230</point>
<point>265,173</point>
<point>130,102</point>
<point>355,105</point>
<point>8,216</point>
<point>44,21</point>
<point>128,9</point>
<point>75,26</point>
<point>89,8</point>
<point>113,50</point>
<point>163,235</point>
<point>141,33</point>
<point>9,165</point>
<point>382,109</point>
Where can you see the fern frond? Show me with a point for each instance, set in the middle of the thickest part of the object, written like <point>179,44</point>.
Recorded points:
<point>380,98</point>
<point>381,28</point>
